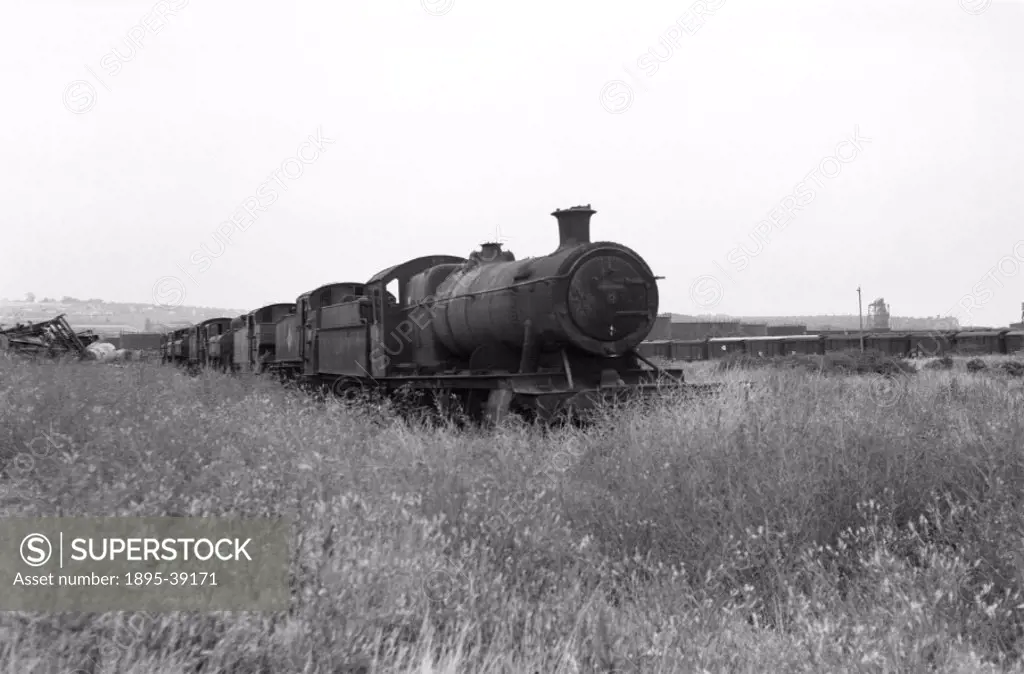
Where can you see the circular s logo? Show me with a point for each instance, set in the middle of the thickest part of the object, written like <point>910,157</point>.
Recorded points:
<point>168,292</point>
<point>440,584</point>
<point>36,549</point>
<point>886,389</point>
<point>616,97</point>
<point>79,97</point>
<point>706,291</point>
<point>975,7</point>
<point>561,462</point>
<point>437,7</point>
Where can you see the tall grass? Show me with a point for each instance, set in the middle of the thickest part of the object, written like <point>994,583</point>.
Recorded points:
<point>812,523</point>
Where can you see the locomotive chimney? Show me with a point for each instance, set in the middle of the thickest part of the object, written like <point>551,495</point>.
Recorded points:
<point>573,225</point>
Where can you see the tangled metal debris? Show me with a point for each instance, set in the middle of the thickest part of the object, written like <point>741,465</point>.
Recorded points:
<point>53,338</point>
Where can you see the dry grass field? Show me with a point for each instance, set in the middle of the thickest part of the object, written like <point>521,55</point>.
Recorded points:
<point>814,523</point>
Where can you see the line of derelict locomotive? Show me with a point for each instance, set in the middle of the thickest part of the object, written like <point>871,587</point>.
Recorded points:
<point>492,332</point>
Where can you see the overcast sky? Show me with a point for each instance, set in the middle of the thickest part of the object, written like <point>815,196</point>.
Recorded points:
<point>430,127</point>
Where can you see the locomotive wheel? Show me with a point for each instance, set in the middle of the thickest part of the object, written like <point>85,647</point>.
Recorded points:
<point>347,388</point>
<point>475,404</point>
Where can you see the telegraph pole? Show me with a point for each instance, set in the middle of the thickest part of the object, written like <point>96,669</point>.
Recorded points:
<point>861,315</point>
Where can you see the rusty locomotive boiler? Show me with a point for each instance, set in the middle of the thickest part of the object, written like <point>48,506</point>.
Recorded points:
<point>490,333</point>
<point>599,298</point>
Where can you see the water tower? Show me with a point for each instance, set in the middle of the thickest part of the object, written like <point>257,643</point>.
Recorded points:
<point>878,316</point>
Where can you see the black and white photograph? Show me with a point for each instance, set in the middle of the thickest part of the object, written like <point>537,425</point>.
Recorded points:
<point>466,337</point>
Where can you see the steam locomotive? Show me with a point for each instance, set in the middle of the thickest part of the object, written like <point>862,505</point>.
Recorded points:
<point>491,333</point>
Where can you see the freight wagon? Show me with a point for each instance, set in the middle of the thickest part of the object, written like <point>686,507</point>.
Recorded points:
<point>894,344</point>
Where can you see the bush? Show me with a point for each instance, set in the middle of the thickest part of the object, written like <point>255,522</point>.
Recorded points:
<point>976,365</point>
<point>942,363</point>
<point>1014,368</point>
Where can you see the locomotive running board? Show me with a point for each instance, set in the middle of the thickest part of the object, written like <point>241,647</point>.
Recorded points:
<point>550,382</point>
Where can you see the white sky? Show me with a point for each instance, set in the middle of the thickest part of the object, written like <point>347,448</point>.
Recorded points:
<point>449,126</point>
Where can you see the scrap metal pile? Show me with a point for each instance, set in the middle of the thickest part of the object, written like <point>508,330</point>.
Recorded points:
<point>53,338</point>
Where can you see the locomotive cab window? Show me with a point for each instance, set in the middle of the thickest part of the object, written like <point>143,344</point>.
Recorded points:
<point>392,293</point>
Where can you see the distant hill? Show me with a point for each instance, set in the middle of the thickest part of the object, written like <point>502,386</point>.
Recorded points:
<point>108,318</point>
